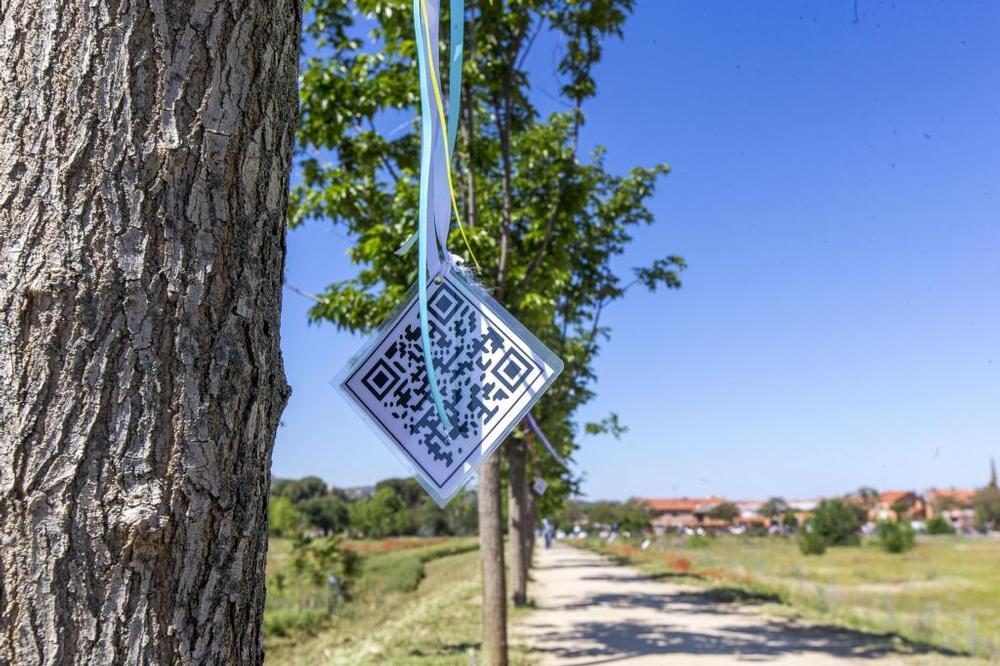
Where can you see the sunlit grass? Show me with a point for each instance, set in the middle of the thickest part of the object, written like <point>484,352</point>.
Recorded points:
<point>944,593</point>
<point>415,603</point>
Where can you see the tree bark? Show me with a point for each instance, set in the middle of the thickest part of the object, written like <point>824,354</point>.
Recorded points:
<point>144,157</point>
<point>517,519</point>
<point>491,558</point>
<point>530,528</point>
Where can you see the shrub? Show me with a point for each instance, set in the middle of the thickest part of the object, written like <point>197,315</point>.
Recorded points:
<point>836,523</point>
<point>286,621</point>
<point>811,543</point>
<point>895,537</point>
<point>698,541</point>
<point>939,525</point>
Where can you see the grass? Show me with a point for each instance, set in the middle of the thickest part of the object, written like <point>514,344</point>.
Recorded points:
<point>944,594</point>
<point>416,602</point>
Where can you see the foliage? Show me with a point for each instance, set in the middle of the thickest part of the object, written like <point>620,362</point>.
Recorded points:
<point>726,511</point>
<point>380,515</point>
<point>789,519</point>
<point>287,621</point>
<point>327,513</point>
<point>836,523</point>
<point>544,222</point>
<point>811,543</point>
<point>895,536</point>
<point>316,560</point>
<point>630,516</point>
<point>939,525</point>
<point>282,516</point>
<point>901,506</point>
<point>987,508</point>
<point>773,507</point>
<point>697,541</point>
<point>298,490</point>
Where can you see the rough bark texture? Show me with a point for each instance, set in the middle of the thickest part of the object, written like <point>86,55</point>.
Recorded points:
<point>491,555</point>
<point>144,158</point>
<point>517,518</point>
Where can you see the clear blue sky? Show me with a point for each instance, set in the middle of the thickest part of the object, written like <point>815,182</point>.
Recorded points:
<point>835,192</point>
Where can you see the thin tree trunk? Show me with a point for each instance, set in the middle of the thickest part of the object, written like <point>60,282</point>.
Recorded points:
<point>531,526</point>
<point>491,558</point>
<point>517,512</point>
<point>144,159</point>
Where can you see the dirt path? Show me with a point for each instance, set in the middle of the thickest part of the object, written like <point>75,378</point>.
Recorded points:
<point>591,611</point>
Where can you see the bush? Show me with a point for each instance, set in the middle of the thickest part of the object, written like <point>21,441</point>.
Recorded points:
<point>836,523</point>
<point>939,525</point>
<point>698,541</point>
<point>895,537</point>
<point>811,543</point>
<point>287,621</point>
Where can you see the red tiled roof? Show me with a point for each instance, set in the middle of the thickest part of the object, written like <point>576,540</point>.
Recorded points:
<point>961,496</point>
<point>891,496</point>
<point>686,504</point>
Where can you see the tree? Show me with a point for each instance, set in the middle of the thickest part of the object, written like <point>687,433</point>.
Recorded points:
<point>895,536</point>
<point>543,221</point>
<point>282,517</point>
<point>836,523</point>
<point>939,525</point>
<point>774,507</point>
<point>901,507</point>
<point>725,511</point>
<point>382,514</point>
<point>327,513</point>
<point>986,505</point>
<point>146,151</point>
<point>299,490</point>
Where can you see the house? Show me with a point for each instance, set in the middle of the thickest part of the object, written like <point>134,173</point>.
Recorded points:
<point>955,504</point>
<point>680,512</point>
<point>896,504</point>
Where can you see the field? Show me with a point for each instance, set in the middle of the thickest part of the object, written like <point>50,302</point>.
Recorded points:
<point>417,601</point>
<point>945,593</point>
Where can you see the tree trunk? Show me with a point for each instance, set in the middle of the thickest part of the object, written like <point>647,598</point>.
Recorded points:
<point>144,159</point>
<point>517,510</point>
<point>491,555</point>
<point>531,527</point>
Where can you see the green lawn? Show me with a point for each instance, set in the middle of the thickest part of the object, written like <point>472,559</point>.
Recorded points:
<point>416,603</point>
<point>944,593</point>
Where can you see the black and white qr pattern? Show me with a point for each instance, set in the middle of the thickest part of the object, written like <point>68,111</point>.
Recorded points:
<point>488,374</point>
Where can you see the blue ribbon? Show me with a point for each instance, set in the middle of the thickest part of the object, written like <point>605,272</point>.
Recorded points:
<point>426,148</point>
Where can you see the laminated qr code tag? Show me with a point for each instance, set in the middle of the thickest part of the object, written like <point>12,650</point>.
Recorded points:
<point>490,371</point>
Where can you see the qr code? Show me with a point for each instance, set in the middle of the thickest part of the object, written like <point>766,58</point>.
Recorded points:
<point>489,374</point>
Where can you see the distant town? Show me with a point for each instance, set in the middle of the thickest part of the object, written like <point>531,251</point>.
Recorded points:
<point>954,505</point>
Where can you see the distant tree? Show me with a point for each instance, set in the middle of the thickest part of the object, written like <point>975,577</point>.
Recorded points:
<point>775,506</point>
<point>987,508</point>
<point>283,519</point>
<point>726,511</point>
<point>789,520</point>
<point>939,525</point>
<point>869,497</point>
<point>382,514</point>
<point>327,513</point>
<point>895,536</point>
<point>634,517</point>
<point>836,522</point>
<point>811,543</point>
<point>305,488</point>
<point>461,516</point>
<point>409,490</point>
<point>901,507</point>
